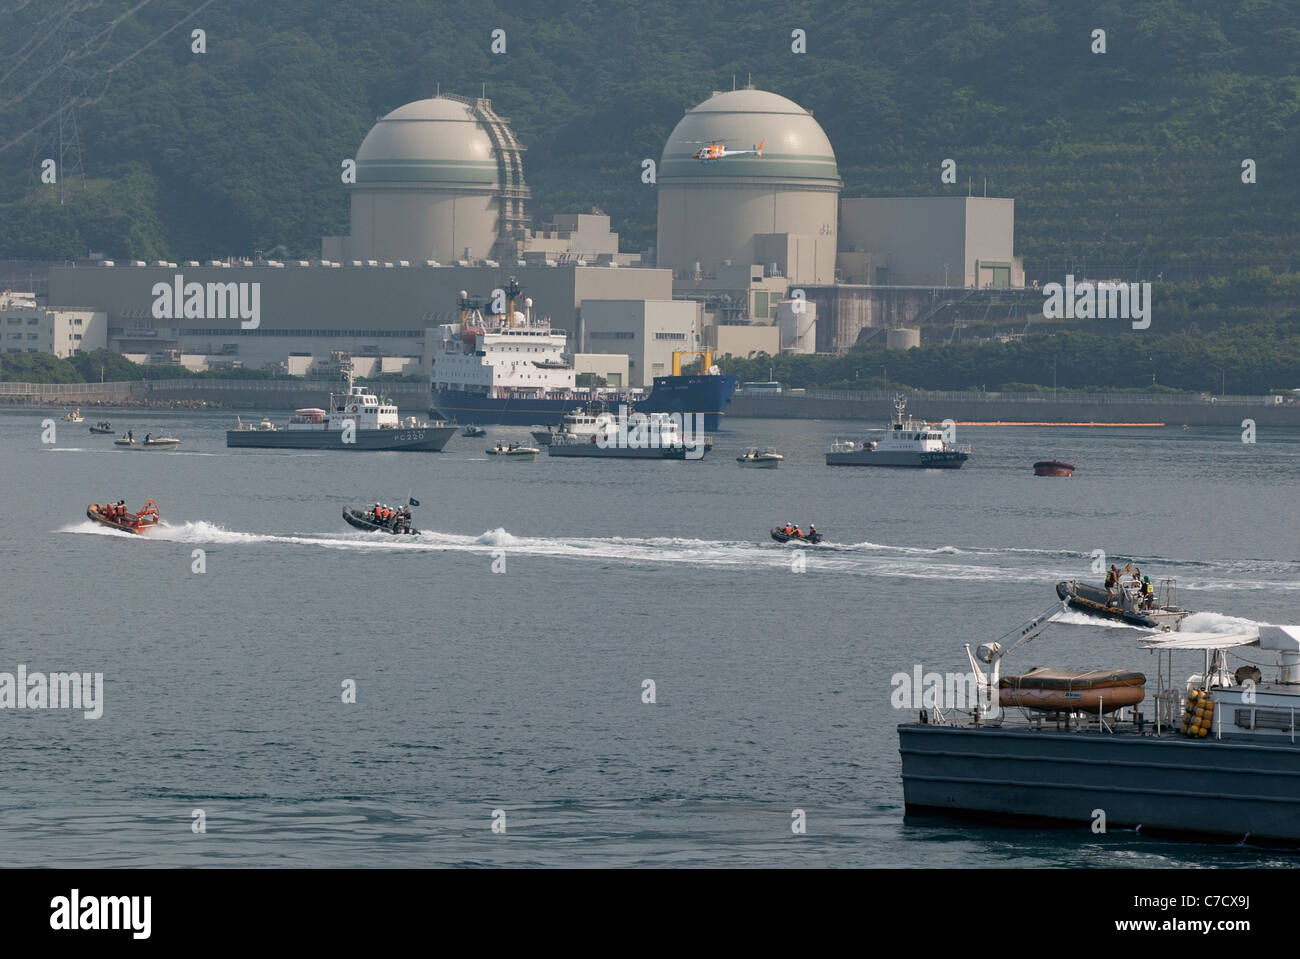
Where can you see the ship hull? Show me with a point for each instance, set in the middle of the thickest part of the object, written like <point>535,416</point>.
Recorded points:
<point>1232,790</point>
<point>1053,468</point>
<point>707,395</point>
<point>592,450</point>
<point>902,458</point>
<point>423,439</point>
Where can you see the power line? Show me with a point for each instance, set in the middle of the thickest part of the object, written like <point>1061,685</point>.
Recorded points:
<point>80,99</point>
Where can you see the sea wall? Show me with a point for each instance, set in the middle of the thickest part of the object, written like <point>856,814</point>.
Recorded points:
<point>413,399</point>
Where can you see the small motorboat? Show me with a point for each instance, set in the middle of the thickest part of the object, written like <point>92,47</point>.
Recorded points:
<point>761,459</point>
<point>1125,602</point>
<point>473,431</point>
<point>74,417</point>
<point>365,519</point>
<point>150,442</point>
<point>513,451</point>
<point>102,427</point>
<point>160,443</point>
<point>115,515</point>
<point>1064,690</point>
<point>1053,468</point>
<point>808,539</point>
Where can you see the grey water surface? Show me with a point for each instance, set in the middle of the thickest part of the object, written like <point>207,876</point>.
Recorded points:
<point>521,690</point>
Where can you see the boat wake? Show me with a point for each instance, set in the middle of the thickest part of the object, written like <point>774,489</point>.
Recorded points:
<point>943,563</point>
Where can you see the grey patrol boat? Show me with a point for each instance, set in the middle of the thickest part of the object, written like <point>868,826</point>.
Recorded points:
<point>1214,756</point>
<point>355,420</point>
<point>907,443</point>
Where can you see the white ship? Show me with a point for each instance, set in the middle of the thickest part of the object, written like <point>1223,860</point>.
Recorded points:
<point>355,420</point>
<point>907,442</point>
<point>579,424</point>
<point>634,436</point>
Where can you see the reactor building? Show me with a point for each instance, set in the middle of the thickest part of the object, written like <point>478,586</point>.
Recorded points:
<point>779,209</point>
<point>440,179</point>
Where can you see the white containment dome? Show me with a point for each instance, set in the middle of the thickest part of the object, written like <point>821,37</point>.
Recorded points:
<point>781,207</point>
<point>436,178</point>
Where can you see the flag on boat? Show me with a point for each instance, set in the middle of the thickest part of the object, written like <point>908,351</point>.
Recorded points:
<point>415,502</point>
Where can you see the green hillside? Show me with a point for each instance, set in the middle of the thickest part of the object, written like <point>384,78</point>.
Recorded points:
<point>1133,153</point>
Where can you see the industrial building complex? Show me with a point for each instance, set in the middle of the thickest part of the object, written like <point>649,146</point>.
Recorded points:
<point>755,254</point>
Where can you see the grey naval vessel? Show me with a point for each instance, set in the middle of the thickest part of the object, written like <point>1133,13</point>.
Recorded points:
<point>1212,756</point>
<point>355,420</point>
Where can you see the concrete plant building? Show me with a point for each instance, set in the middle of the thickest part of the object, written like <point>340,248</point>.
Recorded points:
<point>313,310</point>
<point>948,241</point>
<point>647,331</point>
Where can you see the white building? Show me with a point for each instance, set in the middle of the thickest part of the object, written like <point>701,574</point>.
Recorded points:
<point>648,331</point>
<point>26,327</point>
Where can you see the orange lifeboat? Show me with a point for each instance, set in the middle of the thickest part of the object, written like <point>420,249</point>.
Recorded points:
<point>146,519</point>
<point>1064,690</point>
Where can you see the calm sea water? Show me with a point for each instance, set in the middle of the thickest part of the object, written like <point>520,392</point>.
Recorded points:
<point>521,690</point>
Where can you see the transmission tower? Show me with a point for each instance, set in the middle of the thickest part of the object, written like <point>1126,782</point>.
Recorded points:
<point>60,140</point>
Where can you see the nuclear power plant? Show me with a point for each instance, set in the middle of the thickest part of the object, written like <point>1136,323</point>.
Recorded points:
<point>756,252</point>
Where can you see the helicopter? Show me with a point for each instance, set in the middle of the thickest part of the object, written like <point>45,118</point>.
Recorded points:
<point>712,151</point>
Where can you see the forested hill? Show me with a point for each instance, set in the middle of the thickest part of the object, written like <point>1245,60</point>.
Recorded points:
<point>1134,152</point>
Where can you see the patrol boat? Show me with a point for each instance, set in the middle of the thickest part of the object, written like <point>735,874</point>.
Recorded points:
<point>1213,756</point>
<point>356,420</point>
<point>655,436</point>
<point>582,424</point>
<point>907,442</point>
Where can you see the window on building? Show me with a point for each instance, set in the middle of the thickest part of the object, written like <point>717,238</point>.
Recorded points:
<point>33,320</point>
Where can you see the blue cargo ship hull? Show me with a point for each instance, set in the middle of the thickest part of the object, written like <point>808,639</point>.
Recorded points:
<point>708,395</point>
